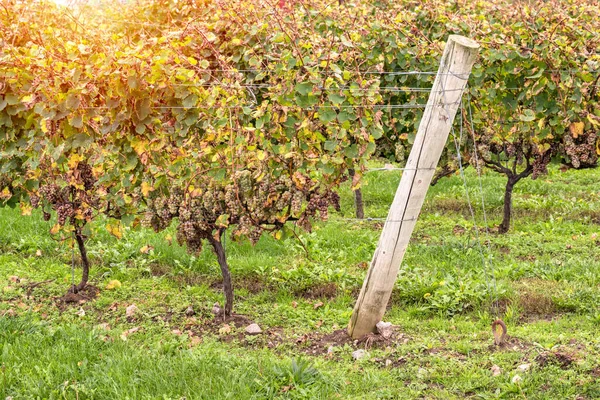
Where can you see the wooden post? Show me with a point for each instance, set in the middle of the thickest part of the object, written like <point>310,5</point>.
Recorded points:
<point>455,67</point>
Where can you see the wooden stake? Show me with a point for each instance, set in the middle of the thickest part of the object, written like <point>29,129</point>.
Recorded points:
<point>455,67</point>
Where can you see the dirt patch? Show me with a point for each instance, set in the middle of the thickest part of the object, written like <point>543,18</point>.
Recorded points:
<point>535,300</point>
<point>563,360</point>
<point>528,258</point>
<point>504,250</point>
<point>458,230</point>
<point>232,328</point>
<point>511,344</point>
<point>159,269</point>
<point>320,344</point>
<point>319,291</point>
<point>444,206</point>
<point>90,292</point>
<point>593,215</point>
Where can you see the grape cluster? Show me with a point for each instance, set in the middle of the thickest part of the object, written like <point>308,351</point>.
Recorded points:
<point>581,151</point>
<point>83,175</point>
<point>75,198</point>
<point>50,192</point>
<point>249,205</point>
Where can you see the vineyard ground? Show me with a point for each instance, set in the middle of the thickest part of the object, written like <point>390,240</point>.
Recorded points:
<point>547,271</point>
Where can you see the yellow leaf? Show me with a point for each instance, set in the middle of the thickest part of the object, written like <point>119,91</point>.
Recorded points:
<point>55,229</point>
<point>44,125</point>
<point>146,249</point>
<point>278,235</point>
<point>541,123</point>
<point>260,155</point>
<point>25,209</point>
<point>139,146</point>
<point>192,60</point>
<point>74,160</point>
<point>576,129</point>
<point>114,284</point>
<point>5,194</point>
<point>146,188</point>
<point>594,120</point>
<point>115,230</point>
<point>169,239</point>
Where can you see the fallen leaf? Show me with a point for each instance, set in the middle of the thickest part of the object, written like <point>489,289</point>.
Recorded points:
<point>114,284</point>
<point>38,253</point>
<point>195,340</point>
<point>146,249</point>
<point>496,370</point>
<point>128,332</point>
<point>131,310</point>
<point>103,326</point>
<point>225,329</point>
<point>318,304</point>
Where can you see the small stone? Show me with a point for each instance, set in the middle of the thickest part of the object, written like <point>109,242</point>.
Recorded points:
<point>217,309</point>
<point>524,367</point>
<point>103,326</point>
<point>81,312</point>
<point>496,370</point>
<point>516,379</point>
<point>388,362</point>
<point>253,329</point>
<point>330,350</point>
<point>384,329</point>
<point>189,311</point>
<point>131,310</point>
<point>358,354</point>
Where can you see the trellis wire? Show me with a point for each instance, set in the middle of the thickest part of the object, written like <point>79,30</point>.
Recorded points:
<point>379,106</point>
<point>485,220</point>
<point>494,294</point>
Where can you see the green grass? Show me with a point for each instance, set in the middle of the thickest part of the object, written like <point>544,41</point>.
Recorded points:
<point>544,275</point>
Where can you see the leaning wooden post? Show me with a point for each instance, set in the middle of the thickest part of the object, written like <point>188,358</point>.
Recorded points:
<point>455,67</point>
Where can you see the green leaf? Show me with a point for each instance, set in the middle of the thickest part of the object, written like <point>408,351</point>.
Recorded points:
<point>527,116</point>
<point>330,145</point>
<point>327,115</point>
<point>336,99</point>
<point>76,122</point>
<point>304,88</point>
<point>81,140</point>
<point>190,101</point>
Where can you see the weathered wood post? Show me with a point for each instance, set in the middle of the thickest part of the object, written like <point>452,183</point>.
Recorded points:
<point>455,67</point>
